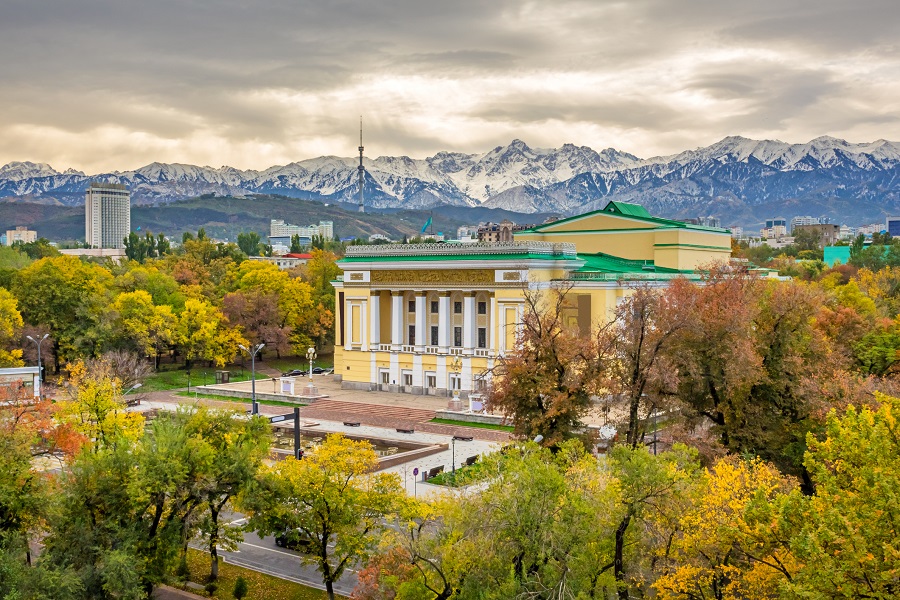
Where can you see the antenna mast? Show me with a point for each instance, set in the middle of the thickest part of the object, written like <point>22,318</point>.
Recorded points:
<point>361,169</point>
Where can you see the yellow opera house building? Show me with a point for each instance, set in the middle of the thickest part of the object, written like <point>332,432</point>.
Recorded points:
<point>434,318</point>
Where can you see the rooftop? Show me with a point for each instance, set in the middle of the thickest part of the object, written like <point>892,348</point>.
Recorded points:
<point>631,211</point>
<point>484,251</point>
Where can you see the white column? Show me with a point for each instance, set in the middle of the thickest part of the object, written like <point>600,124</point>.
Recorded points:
<point>396,321</point>
<point>348,319</point>
<point>469,323</point>
<point>364,326</point>
<point>375,320</point>
<point>421,323</point>
<point>492,325</point>
<point>444,323</point>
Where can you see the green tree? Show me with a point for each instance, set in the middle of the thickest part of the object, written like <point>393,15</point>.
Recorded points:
<point>237,448</point>
<point>647,484</point>
<point>67,296</point>
<point>296,247</point>
<point>334,498</point>
<point>249,243</point>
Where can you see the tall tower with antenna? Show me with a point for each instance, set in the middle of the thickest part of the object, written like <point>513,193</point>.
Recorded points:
<point>361,169</point>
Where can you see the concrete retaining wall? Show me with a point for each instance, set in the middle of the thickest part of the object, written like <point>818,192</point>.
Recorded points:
<point>209,389</point>
<point>471,417</point>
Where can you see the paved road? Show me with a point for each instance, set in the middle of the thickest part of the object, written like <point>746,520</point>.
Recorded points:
<point>261,554</point>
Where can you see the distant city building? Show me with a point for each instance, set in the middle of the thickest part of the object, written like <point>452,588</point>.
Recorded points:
<point>285,261</point>
<point>115,254</point>
<point>774,229</point>
<point>891,225</point>
<point>278,228</point>
<point>467,232</point>
<point>499,232</point>
<point>20,234</point>
<point>704,221</point>
<point>737,232</point>
<point>846,232</point>
<point>828,233</point>
<point>378,237</point>
<point>107,215</point>
<point>797,221</point>
<point>868,230</point>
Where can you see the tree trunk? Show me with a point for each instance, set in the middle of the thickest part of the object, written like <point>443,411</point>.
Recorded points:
<point>619,560</point>
<point>329,589</point>
<point>213,543</point>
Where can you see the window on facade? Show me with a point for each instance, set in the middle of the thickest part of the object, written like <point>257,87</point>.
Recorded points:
<point>407,379</point>
<point>482,337</point>
<point>457,308</point>
<point>430,381</point>
<point>434,307</point>
<point>455,382</point>
<point>457,336</point>
<point>434,335</point>
<point>482,308</point>
<point>412,306</point>
<point>385,377</point>
<point>412,335</point>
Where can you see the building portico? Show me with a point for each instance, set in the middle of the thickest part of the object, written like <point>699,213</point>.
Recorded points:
<point>447,325</point>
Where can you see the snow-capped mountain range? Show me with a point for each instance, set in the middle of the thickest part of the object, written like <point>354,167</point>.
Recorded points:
<point>737,179</point>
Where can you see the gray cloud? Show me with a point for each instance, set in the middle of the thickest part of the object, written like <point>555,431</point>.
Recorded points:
<point>255,83</point>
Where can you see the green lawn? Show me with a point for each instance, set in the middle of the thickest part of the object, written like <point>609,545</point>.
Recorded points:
<point>238,400</point>
<point>173,378</point>
<point>260,586</point>
<point>464,476</point>
<point>507,428</point>
<point>289,363</point>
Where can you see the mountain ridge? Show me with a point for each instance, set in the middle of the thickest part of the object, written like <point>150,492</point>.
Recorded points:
<point>738,179</point>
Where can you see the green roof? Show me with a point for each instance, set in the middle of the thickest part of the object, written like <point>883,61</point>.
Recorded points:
<point>627,209</point>
<point>630,211</point>
<point>607,263</point>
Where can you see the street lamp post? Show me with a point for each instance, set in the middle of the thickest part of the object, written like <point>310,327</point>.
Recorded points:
<point>310,387</point>
<point>252,352</point>
<point>40,369</point>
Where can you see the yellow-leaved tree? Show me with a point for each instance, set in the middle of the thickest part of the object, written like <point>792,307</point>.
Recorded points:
<point>333,500</point>
<point>95,407</point>
<point>10,328</point>
<point>203,333</point>
<point>715,552</point>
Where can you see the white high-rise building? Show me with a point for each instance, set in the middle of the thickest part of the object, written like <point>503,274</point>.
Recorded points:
<point>107,215</point>
<point>278,228</point>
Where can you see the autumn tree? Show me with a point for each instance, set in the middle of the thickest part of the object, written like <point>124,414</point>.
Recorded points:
<point>319,272</point>
<point>716,551</point>
<point>745,359</point>
<point>333,497</point>
<point>546,382</point>
<point>142,326</point>
<point>10,329</point>
<point>845,537</point>
<point>639,374</point>
<point>203,333</point>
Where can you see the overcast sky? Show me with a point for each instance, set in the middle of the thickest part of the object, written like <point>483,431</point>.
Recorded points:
<point>116,84</point>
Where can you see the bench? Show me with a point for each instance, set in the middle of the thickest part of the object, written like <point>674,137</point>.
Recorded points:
<point>463,438</point>
<point>351,423</point>
<point>471,460</point>
<point>433,472</point>
<point>402,430</point>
